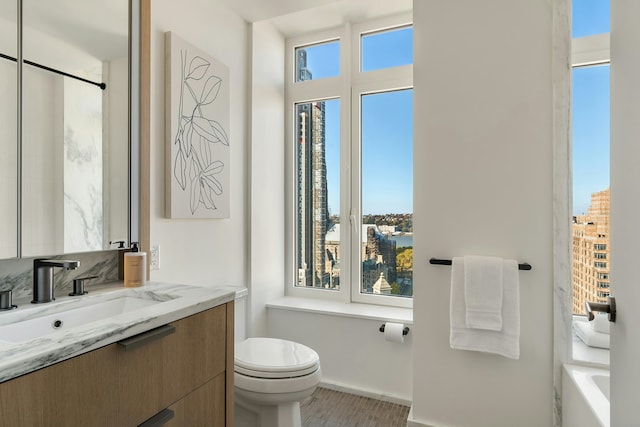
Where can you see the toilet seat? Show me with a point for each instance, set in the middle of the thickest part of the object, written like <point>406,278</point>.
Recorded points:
<point>273,358</point>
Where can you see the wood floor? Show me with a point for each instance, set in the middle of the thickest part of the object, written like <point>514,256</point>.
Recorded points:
<point>329,408</point>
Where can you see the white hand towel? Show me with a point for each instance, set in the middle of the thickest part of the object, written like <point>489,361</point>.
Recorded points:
<point>589,336</point>
<point>505,342</point>
<point>483,292</point>
<point>600,323</point>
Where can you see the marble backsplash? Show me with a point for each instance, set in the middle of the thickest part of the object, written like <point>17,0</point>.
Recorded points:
<point>17,274</point>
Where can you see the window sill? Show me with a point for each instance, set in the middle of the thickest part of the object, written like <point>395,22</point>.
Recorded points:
<point>585,355</point>
<point>337,308</point>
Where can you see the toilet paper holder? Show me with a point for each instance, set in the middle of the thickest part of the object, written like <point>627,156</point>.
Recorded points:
<point>405,330</point>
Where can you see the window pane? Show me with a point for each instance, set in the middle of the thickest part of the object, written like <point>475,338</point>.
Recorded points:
<point>323,59</point>
<point>387,49</point>
<point>591,254</point>
<point>590,17</point>
<point>387,193</point>
<point>318,208</point>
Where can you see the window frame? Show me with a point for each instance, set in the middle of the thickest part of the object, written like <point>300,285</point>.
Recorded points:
<point>347,87</point>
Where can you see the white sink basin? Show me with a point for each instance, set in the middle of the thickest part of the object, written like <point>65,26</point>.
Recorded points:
<point>55,317</point>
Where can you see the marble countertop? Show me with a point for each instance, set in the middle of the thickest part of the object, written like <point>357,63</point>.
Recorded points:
<point>176,302</point>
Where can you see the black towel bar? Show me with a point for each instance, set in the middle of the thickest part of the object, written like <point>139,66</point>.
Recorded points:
<point>436,261</point>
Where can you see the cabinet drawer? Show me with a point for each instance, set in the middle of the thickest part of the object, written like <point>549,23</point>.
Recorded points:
<point>140,382</point>
<point>77,392</point>
<point>205,406</point>
<point>164,368</point>
<point>194,354</point>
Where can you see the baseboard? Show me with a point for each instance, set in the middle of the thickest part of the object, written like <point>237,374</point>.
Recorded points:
<point>366,393</point>
<point>411,422</point>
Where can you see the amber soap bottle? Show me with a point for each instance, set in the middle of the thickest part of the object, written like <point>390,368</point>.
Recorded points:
<point>135,267</point>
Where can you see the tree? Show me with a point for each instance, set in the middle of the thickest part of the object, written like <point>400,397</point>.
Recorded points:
<point>404,260</point>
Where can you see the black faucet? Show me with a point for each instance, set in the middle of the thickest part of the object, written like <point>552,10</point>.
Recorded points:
<point>43,277</point>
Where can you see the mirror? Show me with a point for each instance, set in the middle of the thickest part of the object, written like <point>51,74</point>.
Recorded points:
<point>8,132</point>
<point>75,135</point>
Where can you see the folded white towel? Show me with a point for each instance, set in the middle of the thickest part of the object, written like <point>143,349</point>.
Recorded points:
<point>600,323</point>
<point>483,292</point>
<point>585,332</point>
<point>505,342</point>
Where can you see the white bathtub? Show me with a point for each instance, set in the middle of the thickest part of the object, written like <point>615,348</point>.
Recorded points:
<point>585,397</point>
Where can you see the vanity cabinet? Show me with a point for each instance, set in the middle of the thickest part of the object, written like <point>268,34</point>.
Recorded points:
<point>181,373</point>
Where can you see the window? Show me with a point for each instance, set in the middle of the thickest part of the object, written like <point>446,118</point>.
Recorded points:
<point>351,154</point>
<point>590,119</point>
<point>590,17</point>
<point>389,48</point>
<point>322,58</point>
<point>386,187</point>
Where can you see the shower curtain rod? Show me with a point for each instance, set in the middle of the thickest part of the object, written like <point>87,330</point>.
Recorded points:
<point>102,86</point>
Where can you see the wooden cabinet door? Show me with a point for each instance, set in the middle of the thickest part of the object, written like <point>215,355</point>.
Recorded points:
<point>195,354</point>
<point>139,376</point>
<point>81,391</point>
<point>204,407</point>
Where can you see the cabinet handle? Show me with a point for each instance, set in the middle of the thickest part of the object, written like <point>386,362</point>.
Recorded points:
<point>146,337</point>
<point>159,419</point>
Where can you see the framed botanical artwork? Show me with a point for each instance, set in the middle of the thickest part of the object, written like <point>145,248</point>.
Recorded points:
<point>197,132</point>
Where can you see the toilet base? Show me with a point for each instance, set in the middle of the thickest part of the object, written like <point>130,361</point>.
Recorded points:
<point>251,415</point>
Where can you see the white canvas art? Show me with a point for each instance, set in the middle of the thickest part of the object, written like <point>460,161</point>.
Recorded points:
<point>197,120</point>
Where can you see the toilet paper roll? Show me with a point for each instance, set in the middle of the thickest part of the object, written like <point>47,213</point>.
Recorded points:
<point>393,332</point>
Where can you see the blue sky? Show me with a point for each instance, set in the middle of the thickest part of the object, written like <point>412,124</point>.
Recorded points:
<point>387,122</point>
<point>590,105</point>
<point>387,126</point>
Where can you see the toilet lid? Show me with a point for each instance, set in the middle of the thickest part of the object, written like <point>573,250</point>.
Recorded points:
<point>274,358</point>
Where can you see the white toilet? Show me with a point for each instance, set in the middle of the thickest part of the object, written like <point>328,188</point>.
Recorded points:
<point>271,377</point>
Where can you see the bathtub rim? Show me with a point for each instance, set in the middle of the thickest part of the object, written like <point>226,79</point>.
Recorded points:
<point>582,378</point>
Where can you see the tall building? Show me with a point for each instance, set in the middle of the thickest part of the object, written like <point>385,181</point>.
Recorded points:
<point>313,210</point>
<point>378,257</point>
<point>591,252</point>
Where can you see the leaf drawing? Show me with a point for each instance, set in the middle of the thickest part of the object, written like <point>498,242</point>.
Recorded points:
<point>179,169</point>
<point>210,130</point>
<point>196,168</point>
<point>210,90</point>
<point>198,68</point>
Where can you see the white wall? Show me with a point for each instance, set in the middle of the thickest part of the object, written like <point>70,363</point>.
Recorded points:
<point>483,180</point>
<point>267,172</point>
<point>205,252</point>
<point>625,204</point>
<point>353,353</point>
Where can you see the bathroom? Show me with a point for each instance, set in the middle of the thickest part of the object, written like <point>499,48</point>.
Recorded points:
<point>491,146</point>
